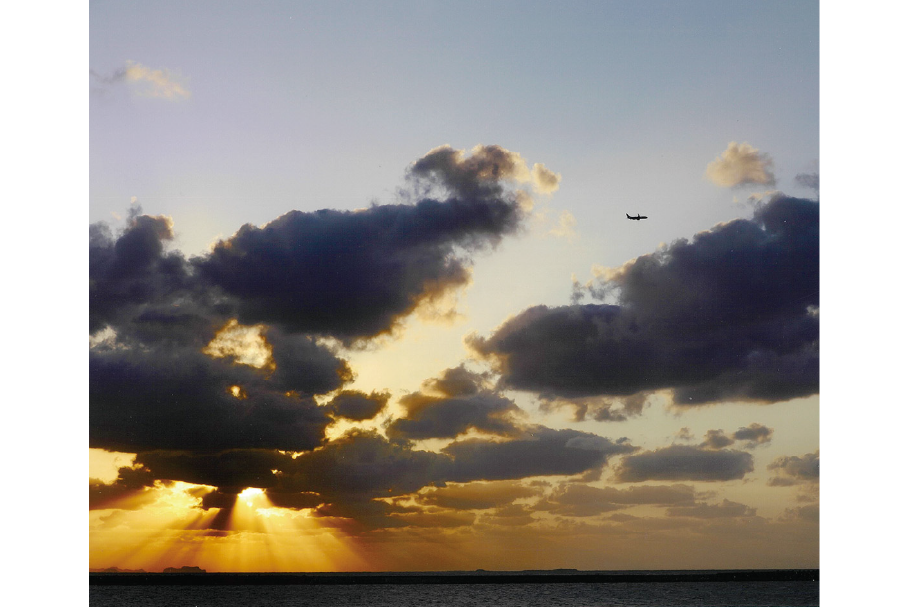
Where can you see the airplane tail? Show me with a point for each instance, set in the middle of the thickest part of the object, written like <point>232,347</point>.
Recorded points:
<point>627,215</point>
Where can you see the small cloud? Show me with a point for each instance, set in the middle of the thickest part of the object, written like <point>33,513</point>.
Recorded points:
<point>566,226</point>
<point>794,470</point>
<point>809,180</point>
<point>357,406</point>
<point>755,434</point>
<point>684,434</point>
<point>544,180</point>
<point>739,165</point>
<point>147,82</point>
<point>716,439</point>
<point>162,83</point>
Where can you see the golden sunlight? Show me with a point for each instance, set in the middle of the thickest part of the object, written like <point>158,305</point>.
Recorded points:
<point>252,494</point>
<point>246,344</point>
<point>249,534</point>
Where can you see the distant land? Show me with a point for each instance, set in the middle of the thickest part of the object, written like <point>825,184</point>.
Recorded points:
<point>184,569</point>
<point>197,576</point>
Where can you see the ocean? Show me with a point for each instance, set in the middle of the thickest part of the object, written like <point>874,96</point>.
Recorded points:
<point>797,593</point>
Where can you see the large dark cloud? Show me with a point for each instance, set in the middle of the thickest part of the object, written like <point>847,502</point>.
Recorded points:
<point>453,404</point>
<point>182,399</point>
<point>132,276</point>
<point>231,470</point>
<point>685,463</point>
<point>343,478</point>
<point>356,274</point>
<point>208,368</point>
<point>222,352</point>
<point>732,314</point>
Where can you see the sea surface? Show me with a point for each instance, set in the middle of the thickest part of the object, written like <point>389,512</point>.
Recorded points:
<point>670,594</point>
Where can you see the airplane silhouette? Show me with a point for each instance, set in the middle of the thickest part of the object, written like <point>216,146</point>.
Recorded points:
<point>638,218</point>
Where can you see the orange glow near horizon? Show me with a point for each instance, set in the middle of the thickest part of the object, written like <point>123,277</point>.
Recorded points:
<point>250,535</point>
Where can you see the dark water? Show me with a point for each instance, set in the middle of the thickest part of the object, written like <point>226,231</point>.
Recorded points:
<point>689,594</point>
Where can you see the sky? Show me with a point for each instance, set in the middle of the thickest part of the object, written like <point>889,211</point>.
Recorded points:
<point>363,294</point>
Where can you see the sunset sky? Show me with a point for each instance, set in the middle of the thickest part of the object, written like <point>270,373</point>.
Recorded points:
<point>363,295</point>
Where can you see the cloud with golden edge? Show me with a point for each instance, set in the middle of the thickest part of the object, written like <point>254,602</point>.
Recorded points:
<point>245,344</point>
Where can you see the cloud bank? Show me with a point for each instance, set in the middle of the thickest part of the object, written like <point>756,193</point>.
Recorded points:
<point>209,368</point>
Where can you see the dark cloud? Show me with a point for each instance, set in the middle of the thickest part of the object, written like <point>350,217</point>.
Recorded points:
<point>597,408</point>
<point>357,406</point>
<point>755,434</point>
<point>723,510</point>
<point>304,366</point>
<point>717,439</point>
<point>132,274</point>
<point>453,404</point>
<point>794,470</point>
<point>172,340</point>
<point>182,399</point>
<point>130,491</point>
<point>477,176</point>
<point>357,274</point>
<point>220,498</point>
<point>362,465</point>
<point>539,452</point>
<point>154,383</point>
<point>344,478</point>
<point>208,368</point>
<point>732,314</point>
<point>231,471</point>
<point>685,463</point>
